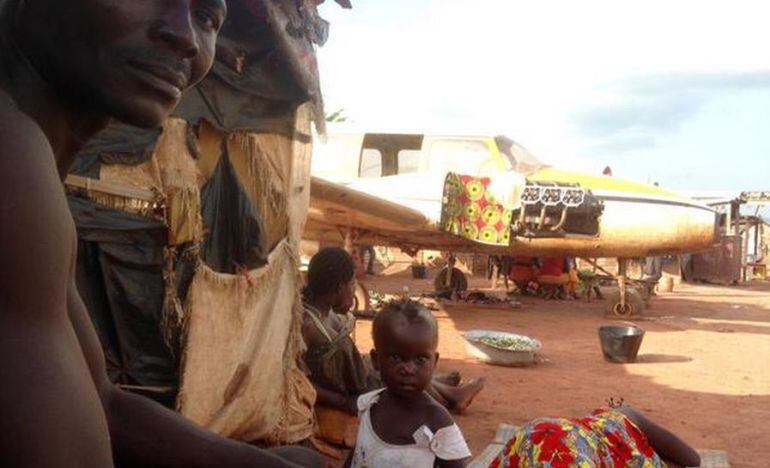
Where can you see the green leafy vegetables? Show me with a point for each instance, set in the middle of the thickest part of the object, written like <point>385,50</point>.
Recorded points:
<point>520,343</point>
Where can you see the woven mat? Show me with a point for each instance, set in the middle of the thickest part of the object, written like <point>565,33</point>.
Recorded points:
<point>709,458</point>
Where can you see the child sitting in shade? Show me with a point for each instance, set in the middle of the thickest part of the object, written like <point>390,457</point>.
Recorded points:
<point>401,425</point>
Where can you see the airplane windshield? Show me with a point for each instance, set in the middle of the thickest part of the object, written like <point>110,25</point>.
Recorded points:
<point>521,160</point>
<point>463,156</point>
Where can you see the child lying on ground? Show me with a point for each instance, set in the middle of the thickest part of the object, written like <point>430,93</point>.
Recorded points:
<point>613,437</point>
<point>402,425</point>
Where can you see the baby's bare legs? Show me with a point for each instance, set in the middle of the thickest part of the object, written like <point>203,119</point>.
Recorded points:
<point>456,399</point>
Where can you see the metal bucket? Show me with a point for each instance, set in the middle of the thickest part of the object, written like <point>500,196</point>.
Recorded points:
<point>620,343</point>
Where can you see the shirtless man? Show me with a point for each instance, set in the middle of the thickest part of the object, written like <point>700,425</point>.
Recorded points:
<point>66,67</point>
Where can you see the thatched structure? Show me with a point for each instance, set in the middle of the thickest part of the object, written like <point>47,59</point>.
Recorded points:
<point>188,235</point>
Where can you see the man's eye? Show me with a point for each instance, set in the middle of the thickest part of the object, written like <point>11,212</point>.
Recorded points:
<point>395,358</point>
<point>422,360</point>
<point>208,19</point>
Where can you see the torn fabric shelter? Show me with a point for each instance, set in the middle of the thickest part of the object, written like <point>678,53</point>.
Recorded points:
<point>188,235</point>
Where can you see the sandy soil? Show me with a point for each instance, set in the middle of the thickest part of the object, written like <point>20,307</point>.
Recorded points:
<point>703,370</point>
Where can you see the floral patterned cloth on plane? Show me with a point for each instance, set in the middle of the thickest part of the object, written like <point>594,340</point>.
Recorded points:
<point>469,210</point>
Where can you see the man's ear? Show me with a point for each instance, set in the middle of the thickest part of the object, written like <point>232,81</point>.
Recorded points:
<point>435,359</point>
<point>375,361</point>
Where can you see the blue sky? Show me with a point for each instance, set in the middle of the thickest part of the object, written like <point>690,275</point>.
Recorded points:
<point>676,92</point>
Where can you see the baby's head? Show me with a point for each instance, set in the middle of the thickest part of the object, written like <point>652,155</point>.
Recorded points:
<point>405,340</point>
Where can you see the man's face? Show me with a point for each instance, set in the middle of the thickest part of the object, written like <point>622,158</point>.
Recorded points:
<point>129,59</point>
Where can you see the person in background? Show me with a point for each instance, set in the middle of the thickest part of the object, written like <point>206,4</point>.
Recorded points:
<point>653,268</point>
<point>552,277</point>
<point>368,256</point>
<point>497,266</point>
<point>523,271</point>
<point>574,278</point>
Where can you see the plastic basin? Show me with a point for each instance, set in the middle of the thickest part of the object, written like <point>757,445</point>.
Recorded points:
<point>620,343</point>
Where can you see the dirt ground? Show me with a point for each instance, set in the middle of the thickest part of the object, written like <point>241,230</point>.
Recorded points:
<point>703,368</point>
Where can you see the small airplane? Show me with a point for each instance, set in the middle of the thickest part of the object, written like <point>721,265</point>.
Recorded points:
<point>488,194</point>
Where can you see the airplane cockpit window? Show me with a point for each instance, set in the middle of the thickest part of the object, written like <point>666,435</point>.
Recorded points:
<point>336,157</point>
<point>394,152</point>
<point>371,163</point>
<point>410,161</point>
<point>520,158</point>
<point>460,156</point>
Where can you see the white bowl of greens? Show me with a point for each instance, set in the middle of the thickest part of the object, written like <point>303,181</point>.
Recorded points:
<point>501,348</point>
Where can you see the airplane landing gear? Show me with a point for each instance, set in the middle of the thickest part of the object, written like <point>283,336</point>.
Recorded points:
<point>632,306</point>
<point>629,299</point>
<point>622,308</point>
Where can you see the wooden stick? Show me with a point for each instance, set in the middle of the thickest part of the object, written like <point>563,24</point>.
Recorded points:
<point>591,262</point>
<point>111,188</point>
<point>147,389</point>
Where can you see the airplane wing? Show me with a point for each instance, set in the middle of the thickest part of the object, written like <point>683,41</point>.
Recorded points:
<point>379,214</point>
<point>340,206</point>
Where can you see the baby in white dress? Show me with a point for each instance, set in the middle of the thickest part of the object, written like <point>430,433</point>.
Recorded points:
<point>402,425</point>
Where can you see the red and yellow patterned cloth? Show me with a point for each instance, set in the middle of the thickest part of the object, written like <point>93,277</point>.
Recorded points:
<point>606,438</point>
<point>470,211</point>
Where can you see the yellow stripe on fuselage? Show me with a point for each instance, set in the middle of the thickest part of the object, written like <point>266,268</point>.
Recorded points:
<point>602,183</point>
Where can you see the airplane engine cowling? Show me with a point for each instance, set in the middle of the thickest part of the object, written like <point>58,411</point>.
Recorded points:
<point>556,210</point>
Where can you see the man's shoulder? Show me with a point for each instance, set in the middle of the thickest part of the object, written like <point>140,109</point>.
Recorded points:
<point>20,135</point>
<point>25,154</point>
<point>29,179</point>
<point>36,233</point>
